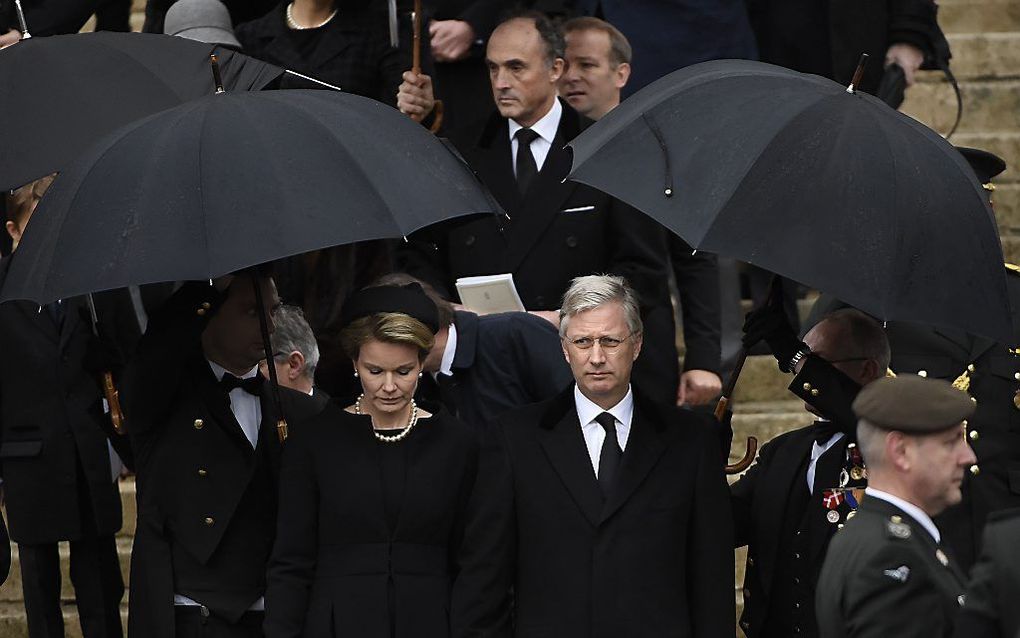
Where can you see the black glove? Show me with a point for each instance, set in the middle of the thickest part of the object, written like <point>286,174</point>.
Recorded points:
<point>769,323</point>
<point>102,354</point>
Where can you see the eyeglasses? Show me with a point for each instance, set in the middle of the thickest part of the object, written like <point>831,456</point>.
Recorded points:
<point>607,343</point>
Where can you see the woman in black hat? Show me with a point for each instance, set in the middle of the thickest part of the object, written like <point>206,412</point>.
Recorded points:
<point>375,498</point>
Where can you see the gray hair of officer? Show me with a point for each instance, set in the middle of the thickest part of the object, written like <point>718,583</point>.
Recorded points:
<point>294,334</point>
<point>592,291</point>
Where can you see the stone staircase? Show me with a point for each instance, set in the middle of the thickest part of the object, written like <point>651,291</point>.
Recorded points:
<point>985,39</point>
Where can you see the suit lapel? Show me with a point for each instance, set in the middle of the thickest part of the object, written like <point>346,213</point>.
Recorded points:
<point>493,162</point>
<point>72,316</point>
<point>564,445</point>
<point>644,447</point>
<point>541,204</point>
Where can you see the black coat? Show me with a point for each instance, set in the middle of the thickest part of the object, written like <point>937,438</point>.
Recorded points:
<point>827,37</point>
<point>240,11</point>
<point>764,500</point>
<point>990,609</point>
<point>338,566</point>
<point>502,362</point>
<point>354,52</point>
<point>655,559</point>
<point>545,246</point>
<point>882,578</point>
<point>206,498</point>
<point>48,17</point>
<point>697,282</point>
<point>52,420</point>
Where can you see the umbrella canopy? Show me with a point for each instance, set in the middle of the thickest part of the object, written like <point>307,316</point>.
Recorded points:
<point>793,173</point>
<point>60,93</point>
<point>233,180</point>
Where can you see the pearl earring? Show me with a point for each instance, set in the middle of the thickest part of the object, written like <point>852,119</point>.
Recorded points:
<point>355,374</point>
<point>419,375</point>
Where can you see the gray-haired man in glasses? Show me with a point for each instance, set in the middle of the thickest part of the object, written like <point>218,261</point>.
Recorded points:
<point>616,521</point>
<point>808,482</point>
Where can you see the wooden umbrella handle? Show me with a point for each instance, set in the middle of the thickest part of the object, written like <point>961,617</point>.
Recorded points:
<point>416,38</point>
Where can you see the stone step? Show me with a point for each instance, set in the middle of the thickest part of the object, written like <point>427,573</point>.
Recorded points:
<point>1005,144</point>
<point>1006,204</point>
<point>14,623</point>
<point>987,106</point>
<point>982,55</point>
<point>979,16</point>
<point>761,381</point>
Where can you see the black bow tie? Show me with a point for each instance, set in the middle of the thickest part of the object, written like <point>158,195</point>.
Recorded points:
<point>252,385</point>
<point>823,431</point>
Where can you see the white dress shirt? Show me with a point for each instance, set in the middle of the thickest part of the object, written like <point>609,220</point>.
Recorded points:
<point>914,511</point>
<point>594,434</point>
<point>246,407</point>
<point>816,453</point>
<point>247,410</point>
<point>449,352</point>
<point>546,129</point>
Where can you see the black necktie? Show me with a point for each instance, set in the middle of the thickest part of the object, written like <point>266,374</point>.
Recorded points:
<point>252,385</point>
<point>526,166</point>
<point>609,458</point>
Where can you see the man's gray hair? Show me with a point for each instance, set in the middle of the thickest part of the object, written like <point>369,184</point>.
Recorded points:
<point>592,291</point>
<point>293,333</point>
<point>871,441</point>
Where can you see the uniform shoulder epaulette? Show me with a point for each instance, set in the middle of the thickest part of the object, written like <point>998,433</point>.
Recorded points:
<point>896,528</point>
<point>1013,268</point>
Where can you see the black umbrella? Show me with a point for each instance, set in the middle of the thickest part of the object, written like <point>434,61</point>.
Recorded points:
<point>805,178</point>
<point>60,93</point>
<point>231,181</point>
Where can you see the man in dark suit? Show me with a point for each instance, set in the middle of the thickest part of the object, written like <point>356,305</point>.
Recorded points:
<point>887,572</point>
<point>59,470</point>
<point>990,609</point>
<point>783,507</point>
<point>482,366</point>
<point>554,229</point>
<point>204,429</point>
<point>616,519</point>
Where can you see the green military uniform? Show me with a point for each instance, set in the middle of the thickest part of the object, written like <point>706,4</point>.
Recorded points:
<point>883,578</point>
<point>885,574</point>
<point>991,609</point>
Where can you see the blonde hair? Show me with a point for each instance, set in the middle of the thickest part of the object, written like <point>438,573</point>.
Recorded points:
<point>388,327</point>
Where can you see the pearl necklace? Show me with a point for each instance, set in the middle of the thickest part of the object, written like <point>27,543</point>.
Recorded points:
<point>396,438</point>
<point>293,24</point>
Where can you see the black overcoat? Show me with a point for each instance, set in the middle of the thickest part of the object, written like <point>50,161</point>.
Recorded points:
<point>338,568</point>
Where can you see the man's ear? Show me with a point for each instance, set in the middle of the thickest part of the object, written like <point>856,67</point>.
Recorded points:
<point>638,341</point>
<point>13,231</point>
<point>896,453</point>
<point>622,75</point>
<point>295,364</point>
<point>559,65</point>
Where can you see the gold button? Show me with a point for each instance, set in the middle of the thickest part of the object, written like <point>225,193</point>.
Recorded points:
<point>205,305</point>
<point>922,373</point>
<point>1016,376</point>
<point>210,521</point>
<point>202,472</point>
<point>974,436</point>
<point>807,387</point>
<point>970,368</point>
<point>965,422</point>
<point>975,470</point>
<point>814,392</point>
<point>199,424</point>
<point>895,519</point>
<point>201,312</point>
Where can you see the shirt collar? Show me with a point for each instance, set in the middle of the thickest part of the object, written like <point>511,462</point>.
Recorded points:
<point>587,410</point>
<point>219,371</point>
<point>914,511</point>
<point>446,365</point>
<point>546,126</point>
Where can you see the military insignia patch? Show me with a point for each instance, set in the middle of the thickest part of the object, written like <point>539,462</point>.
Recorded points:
<point>900,574</point>
<point>898,529</point>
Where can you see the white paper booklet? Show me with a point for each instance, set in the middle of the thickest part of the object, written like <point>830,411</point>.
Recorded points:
<point>489,294</point>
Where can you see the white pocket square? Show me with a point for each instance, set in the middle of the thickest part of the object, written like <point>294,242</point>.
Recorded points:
<point>579,209</point>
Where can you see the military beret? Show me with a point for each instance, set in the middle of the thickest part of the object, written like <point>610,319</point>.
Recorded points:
<point>986,165</point>
<point>913,404</point>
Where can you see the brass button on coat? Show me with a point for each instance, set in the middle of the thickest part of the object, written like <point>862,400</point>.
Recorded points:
<point>210,521</point>
<point>975,470</point>
<point>974,436</point>
<point>203,472</point>
<point>199,424</point>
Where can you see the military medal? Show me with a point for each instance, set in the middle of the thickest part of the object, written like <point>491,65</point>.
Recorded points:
<point>832,516</point>
<point>857,473</point>
<point>844,478</point>
<point>1016,399</point>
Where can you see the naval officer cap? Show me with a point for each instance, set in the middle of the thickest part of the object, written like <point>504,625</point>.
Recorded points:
<point>913,404</point>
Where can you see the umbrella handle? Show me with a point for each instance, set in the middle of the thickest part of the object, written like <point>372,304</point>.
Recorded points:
<point>112,396</point>
<point>217,78</point>
<point>751,448</point>
<point>416,38</point>
<point>274,382</point>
